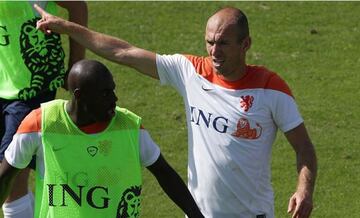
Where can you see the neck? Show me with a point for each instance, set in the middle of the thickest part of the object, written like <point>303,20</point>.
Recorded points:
<point>234,76</point>
<point>77,115</point>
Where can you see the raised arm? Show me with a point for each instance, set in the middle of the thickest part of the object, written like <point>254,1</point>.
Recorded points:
<point>301,203</point>
<point>109,47</point>
<point>174,187</point>
<point>78,13</point>
<point>7,176</point>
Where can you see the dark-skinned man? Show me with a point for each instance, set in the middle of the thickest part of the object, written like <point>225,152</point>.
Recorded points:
<point>89,153</point>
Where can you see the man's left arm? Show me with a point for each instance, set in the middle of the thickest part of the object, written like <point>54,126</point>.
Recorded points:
<point>301,202</point>
<point>174,187</point>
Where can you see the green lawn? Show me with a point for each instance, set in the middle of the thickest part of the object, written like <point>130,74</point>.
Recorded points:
<point>314,46</point>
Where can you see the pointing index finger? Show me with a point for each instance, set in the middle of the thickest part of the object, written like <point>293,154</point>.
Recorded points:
<point>40,10</point>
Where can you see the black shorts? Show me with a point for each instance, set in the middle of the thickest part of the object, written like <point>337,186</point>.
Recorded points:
<point>12,113</point>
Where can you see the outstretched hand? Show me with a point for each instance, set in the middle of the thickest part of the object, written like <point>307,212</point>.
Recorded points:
<point>300,205</point>
<point>49,23</point>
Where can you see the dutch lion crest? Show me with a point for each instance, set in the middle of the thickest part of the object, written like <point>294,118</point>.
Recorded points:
<point>129,206</point>
<point>44,57</point>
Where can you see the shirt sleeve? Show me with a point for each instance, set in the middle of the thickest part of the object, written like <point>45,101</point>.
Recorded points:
<point>149,150</point>
<point>25,142</point>
<point>174,70</point>
<point>285,112</point>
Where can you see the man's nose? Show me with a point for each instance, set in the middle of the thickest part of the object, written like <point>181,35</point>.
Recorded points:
<point>216,50</point>
<point>114,97</point>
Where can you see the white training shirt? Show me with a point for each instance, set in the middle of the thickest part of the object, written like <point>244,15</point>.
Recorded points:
<point>231,128</point>
<point>27,142</point>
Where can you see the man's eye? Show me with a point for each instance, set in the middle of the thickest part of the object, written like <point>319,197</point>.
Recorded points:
<point>210,42</point>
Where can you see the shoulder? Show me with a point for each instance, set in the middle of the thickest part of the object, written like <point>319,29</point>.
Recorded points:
<point>202,65</point>
<point>261,77</point>
<point>127,119</point>
<point>127,113</point>
<point>31,123</point>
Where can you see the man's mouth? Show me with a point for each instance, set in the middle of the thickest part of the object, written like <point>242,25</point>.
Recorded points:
<point>218,62</point>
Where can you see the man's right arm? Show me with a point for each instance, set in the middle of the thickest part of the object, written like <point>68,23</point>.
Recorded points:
<point>109,47</point>
<point>24,145</point>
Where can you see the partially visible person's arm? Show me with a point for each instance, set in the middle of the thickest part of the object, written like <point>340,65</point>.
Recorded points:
<point>78,13</point>
<point>109,47</point>
<point>174,187</point>
<point>18,155</point>
<point>301,202</point>
<point>7,175</point>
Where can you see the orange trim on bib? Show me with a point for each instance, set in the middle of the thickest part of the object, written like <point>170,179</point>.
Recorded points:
<point>31,123</point>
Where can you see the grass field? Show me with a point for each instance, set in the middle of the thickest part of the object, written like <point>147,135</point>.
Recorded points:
<point>314,46</point>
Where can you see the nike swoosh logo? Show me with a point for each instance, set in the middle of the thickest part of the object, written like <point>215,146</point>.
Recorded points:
<point>206,89</point>
<point>57,149</point>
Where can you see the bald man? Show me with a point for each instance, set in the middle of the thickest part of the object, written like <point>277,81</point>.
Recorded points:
<point>233,113</point>
<point>89,153</point>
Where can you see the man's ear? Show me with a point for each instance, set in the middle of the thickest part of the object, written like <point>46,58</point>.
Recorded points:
<point>76,93</point>
<point>246,43</point>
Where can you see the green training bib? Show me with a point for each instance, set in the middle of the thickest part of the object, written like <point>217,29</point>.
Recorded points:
<point>97,175</point>
<point>31,62</point>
